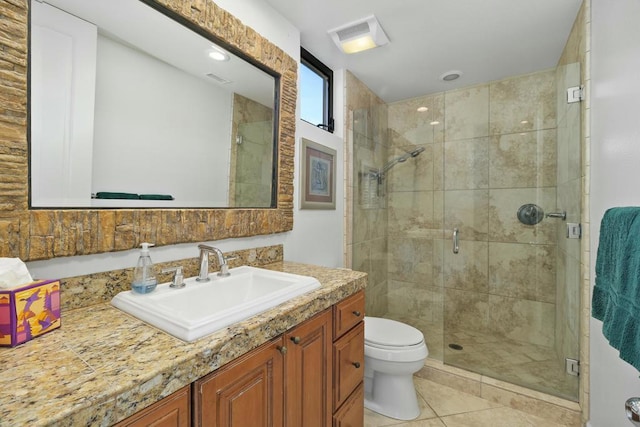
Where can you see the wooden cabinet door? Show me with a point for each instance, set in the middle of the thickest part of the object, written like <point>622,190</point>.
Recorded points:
<point>172,411</point>
<point>246,393</point>
<point>351,413</point>
<point>308,376</point>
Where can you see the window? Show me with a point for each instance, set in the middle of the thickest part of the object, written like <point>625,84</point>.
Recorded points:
<point>316,92</point>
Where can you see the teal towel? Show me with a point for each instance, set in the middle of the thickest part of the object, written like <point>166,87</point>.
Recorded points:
<point>156,197</point>
<point>616,295</point>
<point>115,195</point>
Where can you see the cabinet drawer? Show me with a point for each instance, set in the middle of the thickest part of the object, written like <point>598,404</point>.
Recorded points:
<point>351,414</point>
<point>348,368</point>
<point>347,313</point>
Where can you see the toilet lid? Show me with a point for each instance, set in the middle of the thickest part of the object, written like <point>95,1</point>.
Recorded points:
<point>390,333</point>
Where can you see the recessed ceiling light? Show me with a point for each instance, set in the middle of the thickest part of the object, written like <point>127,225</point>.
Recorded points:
<point>524,122</point>
<point>434,123</point>
<point>422,109</point>
<point>218,54</point>
<point>450,76</point>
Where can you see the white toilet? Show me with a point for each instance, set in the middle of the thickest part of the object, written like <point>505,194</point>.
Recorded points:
<point>393,352</point>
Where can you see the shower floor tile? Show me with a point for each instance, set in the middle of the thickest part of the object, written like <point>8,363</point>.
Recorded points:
<point>528,365</point>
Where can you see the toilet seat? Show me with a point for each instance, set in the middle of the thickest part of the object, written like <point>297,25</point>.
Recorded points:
<point>386,339</point>
<point>390,333</point>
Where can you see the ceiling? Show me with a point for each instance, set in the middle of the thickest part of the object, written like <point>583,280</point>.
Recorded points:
<point>486,40</point>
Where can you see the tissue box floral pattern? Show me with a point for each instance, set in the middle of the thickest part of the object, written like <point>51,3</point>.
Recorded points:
<point>29,311</point>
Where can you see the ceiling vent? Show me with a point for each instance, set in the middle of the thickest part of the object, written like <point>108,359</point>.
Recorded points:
<point>359,35</point>
<point>218,79</point>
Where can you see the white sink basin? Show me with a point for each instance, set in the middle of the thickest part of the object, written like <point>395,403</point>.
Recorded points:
<point>201,308</point>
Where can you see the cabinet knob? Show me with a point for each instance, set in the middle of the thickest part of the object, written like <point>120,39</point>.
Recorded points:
<point>296,340</point>
<point>356,364</point>
<point>282,349</point>
<point>356,313</point>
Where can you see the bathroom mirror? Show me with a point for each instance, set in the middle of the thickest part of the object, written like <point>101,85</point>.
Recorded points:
<point>44,233</point>
<point>131,109</point>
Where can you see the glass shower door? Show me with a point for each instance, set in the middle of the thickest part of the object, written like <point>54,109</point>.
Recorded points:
<point>511,290</point>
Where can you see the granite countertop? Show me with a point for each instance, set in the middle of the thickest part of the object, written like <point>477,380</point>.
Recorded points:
<point>104,365</point>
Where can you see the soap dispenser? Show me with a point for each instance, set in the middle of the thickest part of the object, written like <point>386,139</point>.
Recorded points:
<point>144,276</point>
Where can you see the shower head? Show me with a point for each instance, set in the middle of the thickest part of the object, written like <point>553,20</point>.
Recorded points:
<point>417,151</point>
<point>400,159</point>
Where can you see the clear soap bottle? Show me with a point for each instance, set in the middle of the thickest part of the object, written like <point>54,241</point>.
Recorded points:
<point>144,276</point>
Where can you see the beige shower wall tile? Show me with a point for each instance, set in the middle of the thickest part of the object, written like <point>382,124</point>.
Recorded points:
<point>415,173</point>
<point>569,145</point>
<point>466,310</point>
<point>523,103</point>
<point>467,113</point>
<point>438,166</point>
<point>572,298</point>
<point>522,271</point>
<point>416,300</point>
<point>376,299</point>
<point>361,259</point>
<point>411,211</point>
<point>567,76</point>
<point>466,164</point>
<point>408,126</point>
<point>526,159</point>
<point>468,211</point>
<point>370,155</point>
<point>411,260</point>
<point>569,200</point>
<point>368,224</point>
<point>379,124</point>
<point>522,320</point>
<point>504,225</point>
<point>378,256</point>
<point>468,269</point>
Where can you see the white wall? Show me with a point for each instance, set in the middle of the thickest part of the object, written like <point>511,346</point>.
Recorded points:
<point>180,121</point>
<point>316,236</point>
<point>615,157</point>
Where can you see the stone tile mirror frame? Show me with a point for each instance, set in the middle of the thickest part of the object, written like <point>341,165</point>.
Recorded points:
<point>48,233</point>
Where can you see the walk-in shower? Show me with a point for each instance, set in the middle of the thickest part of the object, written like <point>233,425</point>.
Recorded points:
<point>506,304</point>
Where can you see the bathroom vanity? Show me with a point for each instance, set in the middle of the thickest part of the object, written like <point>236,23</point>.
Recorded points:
<point>302,360</point>
<point>309,376</point>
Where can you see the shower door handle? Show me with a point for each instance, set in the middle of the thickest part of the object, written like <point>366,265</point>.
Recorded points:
<point>456,245</point>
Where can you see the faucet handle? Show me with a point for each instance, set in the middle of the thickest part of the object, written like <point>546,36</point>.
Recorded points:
<point>224,267</point>
<point>178,278</point>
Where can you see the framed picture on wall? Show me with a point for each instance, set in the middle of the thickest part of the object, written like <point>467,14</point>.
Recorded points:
<point>318,176</point>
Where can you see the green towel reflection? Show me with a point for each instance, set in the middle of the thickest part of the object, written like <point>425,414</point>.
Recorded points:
<point>156,197</point>
<point>114,195</point>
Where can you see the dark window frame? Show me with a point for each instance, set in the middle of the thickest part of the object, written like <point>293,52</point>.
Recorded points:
<point>315,65</point>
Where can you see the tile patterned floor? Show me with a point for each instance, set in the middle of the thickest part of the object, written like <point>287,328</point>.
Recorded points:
<point>446,407</point>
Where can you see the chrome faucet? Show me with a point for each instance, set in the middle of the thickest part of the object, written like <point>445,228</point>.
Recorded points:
<point>205,250</point>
